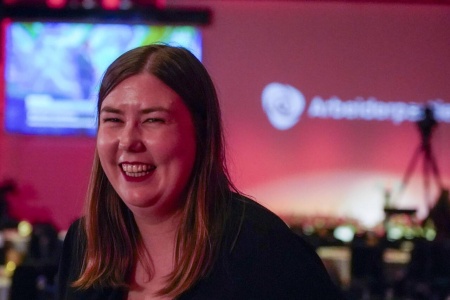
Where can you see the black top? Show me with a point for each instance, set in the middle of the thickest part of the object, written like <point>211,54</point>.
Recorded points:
<point>261,259</point>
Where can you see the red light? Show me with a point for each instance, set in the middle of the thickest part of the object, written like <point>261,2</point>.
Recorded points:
<point>160,3</point>
<point>56,3</point>
<point>10,2</point>
<point>110,4</point>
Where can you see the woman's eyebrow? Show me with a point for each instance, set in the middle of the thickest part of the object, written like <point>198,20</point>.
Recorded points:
<point>154,109</point>
<point>110,109</point>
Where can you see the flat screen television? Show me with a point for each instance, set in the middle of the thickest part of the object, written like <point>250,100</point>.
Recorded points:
<point>52,69</point>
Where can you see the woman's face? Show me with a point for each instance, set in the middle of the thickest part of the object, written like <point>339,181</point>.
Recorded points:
<point>146,144</point>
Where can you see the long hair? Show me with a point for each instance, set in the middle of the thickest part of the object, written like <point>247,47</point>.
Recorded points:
<point>113,240</point>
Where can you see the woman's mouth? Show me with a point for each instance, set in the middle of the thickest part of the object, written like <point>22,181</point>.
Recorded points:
<point>136,170</point>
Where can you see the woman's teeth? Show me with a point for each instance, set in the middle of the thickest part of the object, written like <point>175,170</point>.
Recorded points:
<point>136,170</point>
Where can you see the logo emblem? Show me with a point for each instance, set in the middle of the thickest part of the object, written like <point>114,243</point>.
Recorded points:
<point>283,105</point>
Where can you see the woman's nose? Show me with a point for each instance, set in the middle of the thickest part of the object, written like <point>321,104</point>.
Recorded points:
<point>131,139</point>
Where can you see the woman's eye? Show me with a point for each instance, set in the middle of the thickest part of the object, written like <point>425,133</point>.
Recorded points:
<point>112,120</point>
<point>154,120</point>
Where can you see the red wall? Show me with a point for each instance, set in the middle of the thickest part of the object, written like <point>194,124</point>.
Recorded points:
<point>392,52</point>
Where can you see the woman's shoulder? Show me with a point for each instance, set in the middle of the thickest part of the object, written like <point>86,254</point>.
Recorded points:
<point>75,226</point>
<point>272,259</point>
<point>260,228</point>
<point>258,217</point>
<point>75,236</point>
<point>74,243</point>
<point>71,264</point>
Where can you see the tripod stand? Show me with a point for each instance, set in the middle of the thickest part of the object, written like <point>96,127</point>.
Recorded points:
<point>426,127</point>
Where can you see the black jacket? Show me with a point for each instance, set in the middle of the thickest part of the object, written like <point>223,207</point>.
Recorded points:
<point>261,259</point>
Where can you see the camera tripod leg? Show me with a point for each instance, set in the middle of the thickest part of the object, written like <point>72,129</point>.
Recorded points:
<point>426,180</point>
<point>410,168</point>
<point>430,165</point>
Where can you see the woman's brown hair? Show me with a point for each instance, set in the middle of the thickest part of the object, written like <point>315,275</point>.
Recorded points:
<point>113,240</point>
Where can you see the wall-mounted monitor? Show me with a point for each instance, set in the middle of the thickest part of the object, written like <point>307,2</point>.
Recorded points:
<point>52,69</point>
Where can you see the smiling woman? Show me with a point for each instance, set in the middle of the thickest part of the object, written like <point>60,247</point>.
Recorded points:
<point>146,145</point>
<point>163,220</point>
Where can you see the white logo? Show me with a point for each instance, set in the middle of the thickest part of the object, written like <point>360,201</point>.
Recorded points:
<point>283,105</point>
